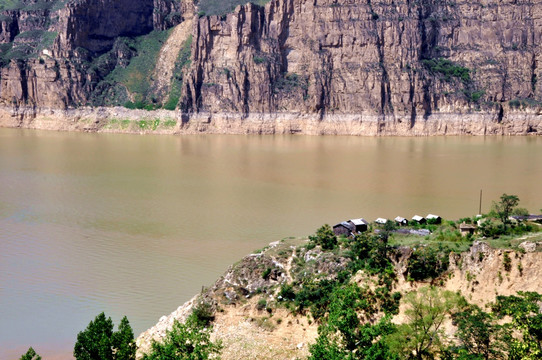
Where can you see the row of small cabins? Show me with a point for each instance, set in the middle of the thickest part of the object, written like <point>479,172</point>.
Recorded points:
<point>354,226</point>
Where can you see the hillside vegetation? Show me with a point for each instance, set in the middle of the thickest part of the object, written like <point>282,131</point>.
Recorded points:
<point>381,295</point>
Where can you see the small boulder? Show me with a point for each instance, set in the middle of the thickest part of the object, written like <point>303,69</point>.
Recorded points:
<point>528,246</point>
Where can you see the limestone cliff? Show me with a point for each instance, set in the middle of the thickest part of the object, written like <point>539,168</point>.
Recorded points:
<point>393,62</point>
<point>362,67</point>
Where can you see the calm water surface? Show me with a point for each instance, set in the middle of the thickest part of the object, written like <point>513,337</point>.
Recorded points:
<point>135,225</point>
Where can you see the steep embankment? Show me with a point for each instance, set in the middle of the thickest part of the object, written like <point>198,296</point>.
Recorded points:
<point>291,66</point>
<point>249,330</point>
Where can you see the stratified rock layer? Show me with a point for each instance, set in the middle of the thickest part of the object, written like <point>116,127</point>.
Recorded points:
<point>308,66</point>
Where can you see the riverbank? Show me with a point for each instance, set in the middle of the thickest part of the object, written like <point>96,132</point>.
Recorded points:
<point>123,120</point>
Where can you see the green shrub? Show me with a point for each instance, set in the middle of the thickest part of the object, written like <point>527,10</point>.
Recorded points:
<point>507,262</point>
<point>261,305</point>
<point>290,81</point>
<point>448,68</point>
<point>188,341</point>
<point>324,237</point>
<point>428,263</point>
<point>265,274</point>
<point>287,292</point>
<point>203,314</point>
<point>11,5</point>
<point>316,296</point>
<point>259,60</point>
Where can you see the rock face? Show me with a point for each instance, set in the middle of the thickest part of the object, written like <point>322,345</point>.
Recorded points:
<point>48,46</point>
<point>395,63</point>
<point>313,66</point>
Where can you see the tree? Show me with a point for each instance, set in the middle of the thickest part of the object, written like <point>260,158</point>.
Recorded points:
<point>30,355</point>
<point>525,311</point>
<point>188,341</point>
<point>325,237</point>
<point>99,342</point>
<point>428,262</point>
<point>123,341</point>
<point>479,335</point>
<point>343,336</point>
<point>421,336</point>
<point>505,207</point>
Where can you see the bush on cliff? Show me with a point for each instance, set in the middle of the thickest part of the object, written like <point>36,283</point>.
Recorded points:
<point>188,341</point>
<point>325,238</point>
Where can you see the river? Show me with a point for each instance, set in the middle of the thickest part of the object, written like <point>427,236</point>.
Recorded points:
<point>136,225</point>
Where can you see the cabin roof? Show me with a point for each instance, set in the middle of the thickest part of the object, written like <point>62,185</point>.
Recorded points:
<point>346,224</point>
<point>417,218</point>
<point>359,221</point>
<point>432,216</point>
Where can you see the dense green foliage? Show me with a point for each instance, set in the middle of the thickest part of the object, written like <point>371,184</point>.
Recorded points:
<point>480,337</point>
<point>346,333</point>
<point>448,68</point>
<point>505,206</point>
<point>188,341</point>
<point>344,336</point>
<point>428,262</point>
<point>99,342</point>
<point>30,355</point>
<point>525,310</point>
<point>325,238</point>
<point>222,7</point>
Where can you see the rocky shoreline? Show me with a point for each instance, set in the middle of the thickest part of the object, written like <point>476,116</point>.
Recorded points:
<point>123,120</point>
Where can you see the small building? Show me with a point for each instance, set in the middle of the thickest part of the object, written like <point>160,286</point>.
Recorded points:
<point>345,228</point>
<point>419,219</point>
<point>381,221</point>
<point>435,219</point>
<point>360,224</point>
<point>401,221</point>
<point>466,229</point>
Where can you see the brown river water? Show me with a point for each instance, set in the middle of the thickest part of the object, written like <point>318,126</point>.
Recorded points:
<point>136,225</point>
